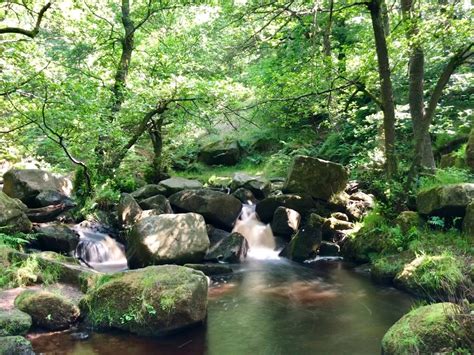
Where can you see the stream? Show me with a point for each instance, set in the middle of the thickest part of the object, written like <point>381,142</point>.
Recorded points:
<point>268,307</point>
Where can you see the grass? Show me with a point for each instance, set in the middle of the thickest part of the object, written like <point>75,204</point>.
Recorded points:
<point>445,177</point>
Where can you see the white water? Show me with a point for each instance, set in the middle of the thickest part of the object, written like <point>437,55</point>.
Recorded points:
<point>99,250</point>
<point>259,235</point>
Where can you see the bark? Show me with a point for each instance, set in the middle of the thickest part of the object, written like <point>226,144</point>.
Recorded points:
<point>416,90</point>
<point>385,86</point>
<point>156,137</point>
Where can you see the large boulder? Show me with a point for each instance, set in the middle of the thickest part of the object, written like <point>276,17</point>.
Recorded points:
<point>12,215</point>
<point>167,238</point>
<point>259,186</point>
<point>432,329</point>
<point>176,184</point>
<point>150,301</point>
<point>223,152</point>
<point>129,211</point>
<point>27,184</point>
<point>245,196</point>
<point>470,150</point>
<point>56,237</point>
<point>231,249</point>
<point>159,203</point>
<point>48,310</point>
<point>305,244</point>
<point>407,220</point>
<point>445,200</point>
<point>302,203</point>
<point>285,222</point>
<point>468,223</point>
<point>216,207</point>
<point>320,178</point>
<point>148,191</point>
<point>15,345</point>
<point>14,322</point>
<point>49,197</point>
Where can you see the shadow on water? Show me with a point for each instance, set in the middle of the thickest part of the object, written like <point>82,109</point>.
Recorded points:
<point>270,307</point>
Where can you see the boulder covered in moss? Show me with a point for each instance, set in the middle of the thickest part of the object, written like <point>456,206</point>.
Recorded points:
<point>407,220</point>
<point>15,345</point>
<point>167,238</point>
<point>48,310</point>
<point>14,322</point>
<point>222,152</point>
<point>468,222</point>
<point>385,268</point>
<point>427,330</point>
<point>12,215</point>
<point>470,150</point>
<point>150,301</point>
<point>433,276</point>
<point>445,200</point>
<point>320,178</point>
<point>216,207</point>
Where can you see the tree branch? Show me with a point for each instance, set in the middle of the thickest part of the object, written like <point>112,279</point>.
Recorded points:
<point>29,33</point>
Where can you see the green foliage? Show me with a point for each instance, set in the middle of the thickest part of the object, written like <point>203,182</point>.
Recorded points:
<point>17,240</point>
<point>445,177</point>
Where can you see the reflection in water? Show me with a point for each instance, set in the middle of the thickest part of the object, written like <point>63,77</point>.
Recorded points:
<point>259,235</point>
<point>99,250</point>
<point>270,307</point>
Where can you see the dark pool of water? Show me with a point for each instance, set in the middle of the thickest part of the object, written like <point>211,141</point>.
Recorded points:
<point>269,307</point>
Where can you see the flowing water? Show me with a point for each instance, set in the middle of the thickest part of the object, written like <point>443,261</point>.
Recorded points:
<point>269,307</point>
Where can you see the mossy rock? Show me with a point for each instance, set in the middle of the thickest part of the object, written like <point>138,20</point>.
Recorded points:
<point>12,215</point>
<point>14,322</point>
<point>426,330</point>
<point>15,345</point>
<point>48,310</point>
<point>364,244</point>
<point>435,277</point>
<point>386,268</point>
<point>149,301</point>
<point>446,200</point>
<point>407,220</point>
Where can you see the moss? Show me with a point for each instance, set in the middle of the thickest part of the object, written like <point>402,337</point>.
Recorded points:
<point>14,322</point>
<point>434,276</point>
<point>15,345</point>
<point>384,269</point>
<point>145,301</point>
<point>47,310</point>
<point>425,330</point>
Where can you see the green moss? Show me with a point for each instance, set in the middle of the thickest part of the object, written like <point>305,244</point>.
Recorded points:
<point>385,268</point>
<point>14,322</point>
<point>445,177</point>
<point>426,330</point>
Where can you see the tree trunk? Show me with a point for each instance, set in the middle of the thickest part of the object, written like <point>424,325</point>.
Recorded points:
<point>156,137</point>
<point>423,148</point>
<point>385,86</point>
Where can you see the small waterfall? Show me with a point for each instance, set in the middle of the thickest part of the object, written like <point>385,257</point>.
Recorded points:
<point>99,250</point>
<point>259,235</point>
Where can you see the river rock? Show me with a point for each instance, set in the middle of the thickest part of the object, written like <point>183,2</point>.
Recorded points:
<point>358,205</point>
<point>148,191</point>
<point>158,203</point>
<point>301,203</point>
<point>446,200</point>
<point>329,249</point>
<point>216,207</point>
<point>223,152</point>
<point>150,301</point>
<point>259,186</point>
<point>285,222</point>
<point>216,234</point>
<point>14,322</point>
<point>470,150</point>
<point>320,178</point>
<point>305,244</point>
<point>15,345</point>
<point>176,184</point>
<point>129,211</point>
<point>468,222</point>
<point>231,249</point>
<point>48,310</point>
<point>56,237</point>
<point>245,196</point>
<point>168,238</point>
<point>12,215</point>
<point>432,329</point>
<point>27,184</point>
<point>49,197</point>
